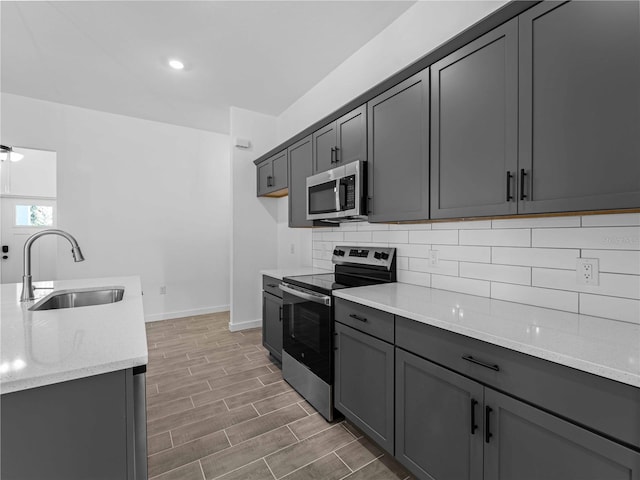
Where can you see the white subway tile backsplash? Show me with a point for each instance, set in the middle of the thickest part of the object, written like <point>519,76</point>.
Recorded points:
<point>351,237</point>
<point>536,257</point>
<point>541,222</point>
<point>391,236</point>
<point>496,273</point>
<point>541,297</point>
<point>612,220</point>
<point>410,226</point>
<point>413,250</point>
<point>466,225</point>
<point>333,236</point>
<point>415,278</point>
<point>444,267</point>
<point>611,284</point>
<point>503,238</point>
<point>464,253</point>
<point>402,263</point>
<point>616,261</point>
<point>605,238</point>
<point>622,309</point>
<point>523,260</point>
<point>367,227</point>
<point>444,237</point>
<point>462,285</point>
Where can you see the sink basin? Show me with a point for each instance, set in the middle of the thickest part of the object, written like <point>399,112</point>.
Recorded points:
<point>83,297</point>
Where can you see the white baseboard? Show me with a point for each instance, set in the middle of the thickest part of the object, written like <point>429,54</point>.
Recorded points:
<point>185,313</point>
<point>235,327</point>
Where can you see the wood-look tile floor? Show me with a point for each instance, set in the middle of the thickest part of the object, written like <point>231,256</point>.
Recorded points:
<point>217,407</point>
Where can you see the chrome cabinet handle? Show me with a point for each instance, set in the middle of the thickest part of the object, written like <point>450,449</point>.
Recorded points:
<point>357,317</point>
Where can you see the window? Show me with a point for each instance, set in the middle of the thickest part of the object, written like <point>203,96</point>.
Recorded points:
<point>34,216</point>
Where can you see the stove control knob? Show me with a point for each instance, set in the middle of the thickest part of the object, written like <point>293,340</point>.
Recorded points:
<point>384,255</point>
<point>338,253</point>
<point>377,255</point>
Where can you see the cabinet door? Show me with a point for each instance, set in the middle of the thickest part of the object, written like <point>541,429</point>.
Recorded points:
<point>324,144</point>
<point>364,383</point>
<point>580,106</point>
<point>279,169</point>
<point>272,324</point>
<point>265,176</point>
<point>300,167</point>
<point>398,138</point>
<point>352,136</point>
<point>435,411</point>
<point>529,444</point>
<point>474,127</point>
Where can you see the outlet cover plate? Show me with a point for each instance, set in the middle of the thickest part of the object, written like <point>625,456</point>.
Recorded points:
<point>587,271</point>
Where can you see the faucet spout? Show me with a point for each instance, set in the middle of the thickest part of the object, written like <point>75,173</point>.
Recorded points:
<point>27,283</point>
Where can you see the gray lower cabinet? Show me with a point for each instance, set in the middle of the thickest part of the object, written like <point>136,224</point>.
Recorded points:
<point>300,167</point>
<point>438,420</point>
<point>579,106</point>
<point>526,443</point>
<point>449,427</point>
<point>398,153</point>
<point>272,175</point>
<point>364,383</point>
<point>75,430</point>
<point>272,316</point>
<point>474,127</point>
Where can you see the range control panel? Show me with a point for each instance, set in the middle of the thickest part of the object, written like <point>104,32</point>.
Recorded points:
<point>382,256</point>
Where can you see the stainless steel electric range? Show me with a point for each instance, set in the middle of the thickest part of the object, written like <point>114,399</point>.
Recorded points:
<point>307,356</point>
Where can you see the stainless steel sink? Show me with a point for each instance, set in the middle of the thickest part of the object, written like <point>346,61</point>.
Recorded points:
<point>83,297</point>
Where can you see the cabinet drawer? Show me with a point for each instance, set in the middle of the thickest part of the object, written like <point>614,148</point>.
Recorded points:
<point>603,405</point>
<point>270,284</point>
<point>366,319</point>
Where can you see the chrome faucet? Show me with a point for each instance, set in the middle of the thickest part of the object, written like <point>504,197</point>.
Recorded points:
<point>27,284</point>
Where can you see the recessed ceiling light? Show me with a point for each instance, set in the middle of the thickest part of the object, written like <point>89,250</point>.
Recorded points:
<point>177,64</point>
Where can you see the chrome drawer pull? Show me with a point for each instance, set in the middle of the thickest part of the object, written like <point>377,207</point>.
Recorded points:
<point>469,358</point>
<point>357,317</point>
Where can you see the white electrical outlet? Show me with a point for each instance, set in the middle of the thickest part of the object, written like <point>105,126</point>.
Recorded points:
<point>433,258</point>
<point>587,271</point>
<point>163,290</point>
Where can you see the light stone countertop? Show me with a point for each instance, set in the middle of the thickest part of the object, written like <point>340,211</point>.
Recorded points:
<point>52,346</point>
<point>600,346</point>
<point>292,272</point>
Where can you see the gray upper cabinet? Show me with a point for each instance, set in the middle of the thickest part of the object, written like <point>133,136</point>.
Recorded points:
<point>342,141</point>
<point>272,175</point>
<point>474,122</point>
<point>438,420</point>
<point>300,167</point>
<point>525,443</point>
<point>579,106</point>
<point>398,139</point>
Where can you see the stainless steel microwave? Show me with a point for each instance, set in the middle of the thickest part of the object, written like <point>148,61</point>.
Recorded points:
<point>338,195</point>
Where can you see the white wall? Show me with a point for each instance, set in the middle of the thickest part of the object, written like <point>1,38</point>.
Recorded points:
<point>254,229</point>
<point>423,27</point>
<point>142,198</point>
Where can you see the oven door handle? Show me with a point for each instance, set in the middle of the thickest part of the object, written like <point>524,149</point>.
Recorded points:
<point>306,295</point>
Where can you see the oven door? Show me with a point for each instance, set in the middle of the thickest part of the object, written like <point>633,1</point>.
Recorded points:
<point>307,329</point>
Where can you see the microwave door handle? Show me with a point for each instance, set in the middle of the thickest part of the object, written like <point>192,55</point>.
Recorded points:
<point>337,192</point>
<point>342,196</point>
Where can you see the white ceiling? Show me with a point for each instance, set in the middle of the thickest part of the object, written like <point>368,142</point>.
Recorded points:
<point>112,55</point>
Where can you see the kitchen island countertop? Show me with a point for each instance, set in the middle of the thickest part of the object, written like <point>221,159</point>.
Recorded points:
<point>604,347</point>
<point>51,346</point>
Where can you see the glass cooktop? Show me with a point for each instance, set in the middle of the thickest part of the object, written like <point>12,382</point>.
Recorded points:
<point>326,282</point>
